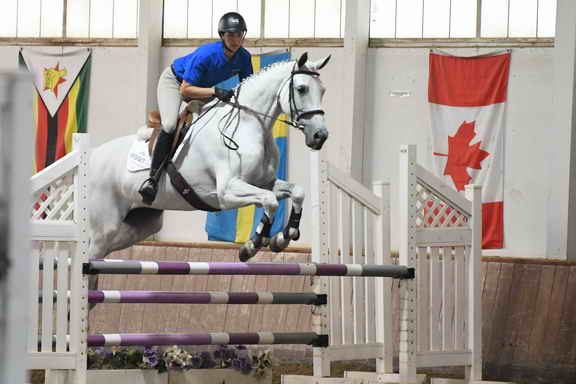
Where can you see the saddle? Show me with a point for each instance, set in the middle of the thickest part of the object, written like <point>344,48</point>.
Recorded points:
<point>185,121</point>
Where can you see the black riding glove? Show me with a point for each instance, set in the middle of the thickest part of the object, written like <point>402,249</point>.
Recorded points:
<point>223,94</point>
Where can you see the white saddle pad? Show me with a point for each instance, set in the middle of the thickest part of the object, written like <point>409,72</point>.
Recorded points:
<point>138,157</point>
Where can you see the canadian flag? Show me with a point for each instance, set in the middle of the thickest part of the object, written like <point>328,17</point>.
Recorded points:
<point>467,97</point>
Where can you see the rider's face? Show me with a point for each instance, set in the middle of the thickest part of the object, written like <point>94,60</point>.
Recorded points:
<point>233,40</point>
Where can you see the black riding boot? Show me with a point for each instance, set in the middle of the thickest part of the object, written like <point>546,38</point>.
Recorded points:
<point>149,188</point>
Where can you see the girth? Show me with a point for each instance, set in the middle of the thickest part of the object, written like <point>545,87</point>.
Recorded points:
<point>185,190</point>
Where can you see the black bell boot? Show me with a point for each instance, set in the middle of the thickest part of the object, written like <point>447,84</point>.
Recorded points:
<point>149,188</point>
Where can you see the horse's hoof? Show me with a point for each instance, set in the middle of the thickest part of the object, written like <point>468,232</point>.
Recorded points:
<point>265,241</point>
<point>294,233</point>
<point>247,251</point>
<point>278,243</point>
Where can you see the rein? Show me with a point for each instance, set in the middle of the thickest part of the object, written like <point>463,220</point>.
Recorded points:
<point>295,113</point>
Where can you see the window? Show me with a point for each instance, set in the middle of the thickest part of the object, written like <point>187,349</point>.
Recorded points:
<point>271,19</point>
<point>69,19</point>
<point>453,19</point>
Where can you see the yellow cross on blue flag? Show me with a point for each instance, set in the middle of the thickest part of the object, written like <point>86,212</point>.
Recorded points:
<point>238,225</point>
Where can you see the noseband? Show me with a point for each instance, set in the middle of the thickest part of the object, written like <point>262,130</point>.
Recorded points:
<point>295,113</point>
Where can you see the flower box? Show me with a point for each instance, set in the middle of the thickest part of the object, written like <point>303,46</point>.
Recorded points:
<point>126,376</point>
<point>217,376</point>
<point>193,376</point>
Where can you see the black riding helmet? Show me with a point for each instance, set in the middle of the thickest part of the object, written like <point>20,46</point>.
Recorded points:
<point>231,22</point>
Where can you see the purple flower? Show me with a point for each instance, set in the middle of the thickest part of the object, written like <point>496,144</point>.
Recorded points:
<point>196,362</point>
<point>230,354</point>
<point>219,352</point>
<point>150,357</point>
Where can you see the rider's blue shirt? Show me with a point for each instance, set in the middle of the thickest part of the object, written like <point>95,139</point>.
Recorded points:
<point>208,66</point>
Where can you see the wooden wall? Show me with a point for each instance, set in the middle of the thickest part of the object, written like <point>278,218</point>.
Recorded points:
<point>529,306</point>
<point>529,327</point>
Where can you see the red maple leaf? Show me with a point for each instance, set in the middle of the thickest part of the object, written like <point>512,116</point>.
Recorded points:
<point>462,155</point>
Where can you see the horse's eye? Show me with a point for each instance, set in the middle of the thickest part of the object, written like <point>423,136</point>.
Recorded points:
<point>302,89</point>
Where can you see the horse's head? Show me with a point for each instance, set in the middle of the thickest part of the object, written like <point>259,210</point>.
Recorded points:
<point>302,99</point>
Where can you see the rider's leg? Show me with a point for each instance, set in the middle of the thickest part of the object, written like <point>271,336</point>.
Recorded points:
<point>169,102</point>
<point>149,189</point>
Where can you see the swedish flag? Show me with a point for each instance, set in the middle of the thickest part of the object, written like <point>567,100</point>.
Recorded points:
<point>238,225</point>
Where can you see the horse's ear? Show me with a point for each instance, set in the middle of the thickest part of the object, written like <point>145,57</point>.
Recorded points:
<point>303,59</point>
<point>317,65</point>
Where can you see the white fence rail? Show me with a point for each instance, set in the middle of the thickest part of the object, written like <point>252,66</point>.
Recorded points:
<point>59,234</point>
<point>351,227</point>
<point>440,319</point>
<point>441,237</point>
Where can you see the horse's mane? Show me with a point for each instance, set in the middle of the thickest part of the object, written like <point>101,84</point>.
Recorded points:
<point>271,68</point>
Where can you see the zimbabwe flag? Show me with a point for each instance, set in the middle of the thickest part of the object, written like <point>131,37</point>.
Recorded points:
<point>60,103</point>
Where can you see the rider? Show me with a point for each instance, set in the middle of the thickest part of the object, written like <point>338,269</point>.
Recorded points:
<point>193,77</point>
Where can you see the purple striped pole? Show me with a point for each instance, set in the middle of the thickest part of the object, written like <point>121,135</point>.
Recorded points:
<point>143,297</point>
<point>134,267</point>
<point>213,338</point>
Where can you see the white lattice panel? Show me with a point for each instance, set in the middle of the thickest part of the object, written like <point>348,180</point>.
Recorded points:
<point>55,201</point>
<point>433,212</point>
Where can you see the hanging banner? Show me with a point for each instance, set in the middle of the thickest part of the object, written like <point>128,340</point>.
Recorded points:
<point>60,101</point>
<point>467,97</point>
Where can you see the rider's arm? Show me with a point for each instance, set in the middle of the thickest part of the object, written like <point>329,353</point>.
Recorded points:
<point>195,72</point>
<point>189,91</point>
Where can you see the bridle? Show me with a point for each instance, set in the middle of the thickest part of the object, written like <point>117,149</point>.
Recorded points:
<point>295,113</point>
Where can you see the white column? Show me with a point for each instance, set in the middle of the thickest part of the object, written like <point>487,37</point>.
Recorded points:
<point>321,316</point>
<point>474,371</point>
<point>407,181</point>
<point>150,47</point>
<point>355,54</point>
<point>561,220</point>
<point>16,163</point>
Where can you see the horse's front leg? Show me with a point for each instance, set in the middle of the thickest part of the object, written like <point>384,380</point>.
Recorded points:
<point>238,193</point>
<point>283,189</point>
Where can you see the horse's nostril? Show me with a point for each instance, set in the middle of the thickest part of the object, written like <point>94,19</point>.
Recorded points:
<point>321,135</point>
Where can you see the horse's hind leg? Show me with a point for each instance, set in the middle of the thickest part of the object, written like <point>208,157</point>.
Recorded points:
<point>105,221</point>
<point>136,226</point>
<point>114,226</point>
<point>283,190</point>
